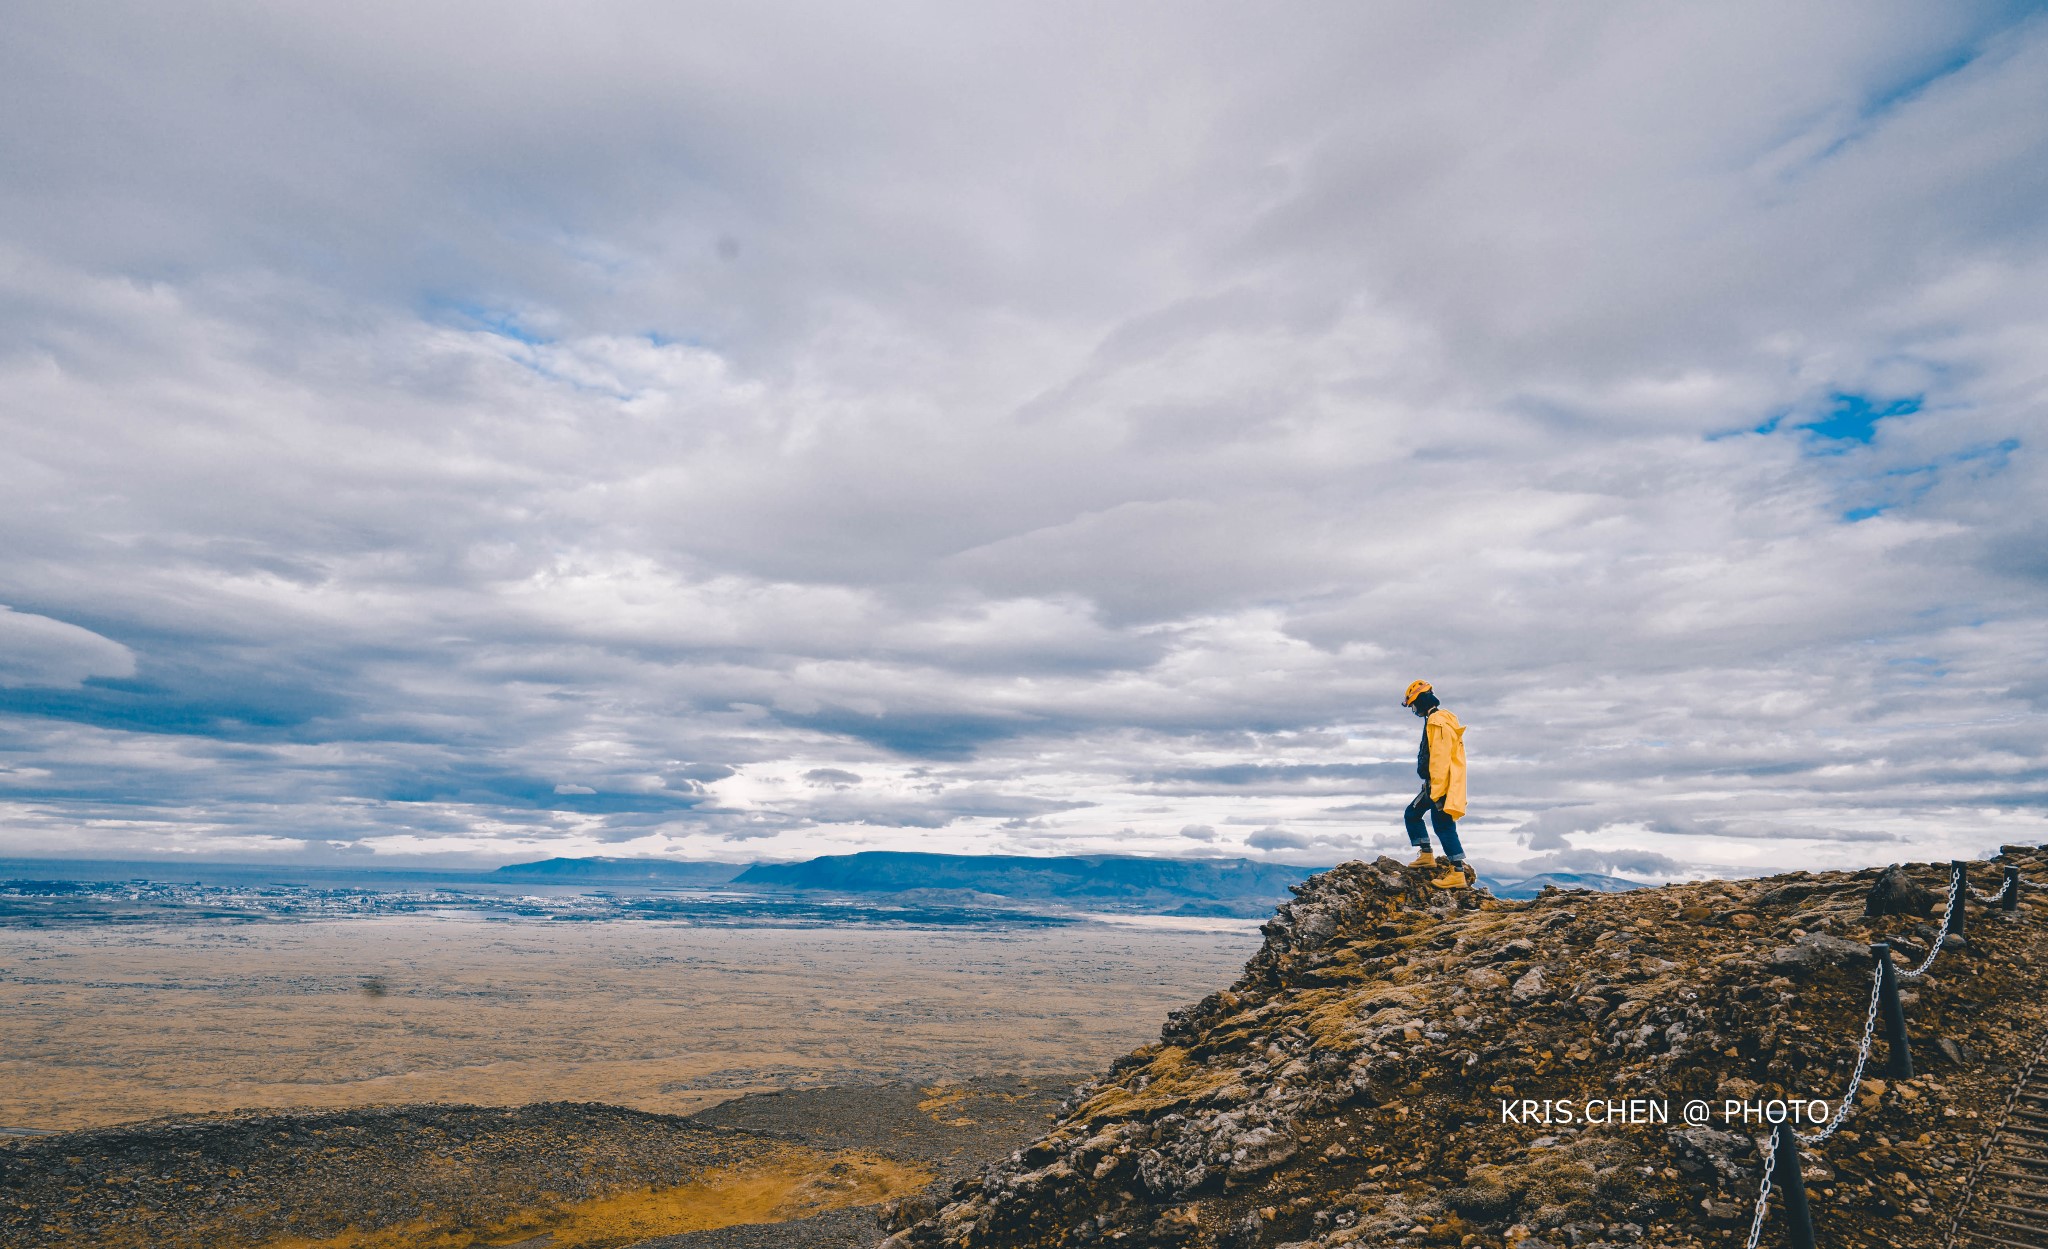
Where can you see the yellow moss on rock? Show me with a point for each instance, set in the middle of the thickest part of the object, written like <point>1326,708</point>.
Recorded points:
<point>786,1184</point>
<point>1170,1079</point>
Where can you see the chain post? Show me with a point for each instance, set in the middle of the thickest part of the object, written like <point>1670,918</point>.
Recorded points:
<point>1899,1063</point>
<point>1798,1219</point>
<point>2009,897</point>
<point>1959,888</point>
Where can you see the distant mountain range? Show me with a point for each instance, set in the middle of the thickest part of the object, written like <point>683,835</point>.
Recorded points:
<point>1533,885</point>
<point>1219,887</point>
<point>621,872</point>
<point>1175,886</point>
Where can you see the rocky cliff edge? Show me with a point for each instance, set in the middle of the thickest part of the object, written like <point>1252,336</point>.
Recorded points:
<point>1396,1065</point>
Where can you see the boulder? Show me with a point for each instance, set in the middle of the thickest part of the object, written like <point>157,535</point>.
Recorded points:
<point>1894,894</point>
<point>1709,1153</point>
<point>1818,949</point>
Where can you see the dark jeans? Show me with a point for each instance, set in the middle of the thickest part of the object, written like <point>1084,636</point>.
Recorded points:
<point>1446,827</point>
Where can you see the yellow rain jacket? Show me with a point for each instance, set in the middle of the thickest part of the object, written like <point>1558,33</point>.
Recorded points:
<point>1446,740</point>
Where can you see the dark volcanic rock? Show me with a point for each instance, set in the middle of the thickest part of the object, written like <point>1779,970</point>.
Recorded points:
<point>1895,894</point>
<point>835,1229</point>
<point>236,1181</point>
<point>1817,949</point>
<point>957,1130</point>
<point>221,1180</point>
<point>1399,1065</point>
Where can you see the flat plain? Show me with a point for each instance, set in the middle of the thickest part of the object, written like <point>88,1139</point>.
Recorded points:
<point>105,1025</point>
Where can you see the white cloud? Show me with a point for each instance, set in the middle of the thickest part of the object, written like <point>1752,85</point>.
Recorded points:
<point>1075,431</point>
<point>38,651</point>
<point>1276,839</point>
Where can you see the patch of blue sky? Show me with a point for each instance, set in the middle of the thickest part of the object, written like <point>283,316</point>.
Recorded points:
<point>1916,83</point>
<point>1889,98</point>
<point>1854,418</point>
<point>512,326</point>
<point>1848,418</point>
<point>1898,487</point>
<point>504,322</point>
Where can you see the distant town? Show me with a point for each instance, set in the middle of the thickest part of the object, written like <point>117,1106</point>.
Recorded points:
<point>869,888</point>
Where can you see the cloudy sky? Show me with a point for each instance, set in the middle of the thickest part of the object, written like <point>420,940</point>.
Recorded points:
<point>464,433</point>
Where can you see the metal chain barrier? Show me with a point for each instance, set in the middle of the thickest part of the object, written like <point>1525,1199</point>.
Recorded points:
<point>1841,1114</point>
<point>1948,915</point>
<point>1763,1196</point>
<point>1957,884</point>
<point>1991,899</point>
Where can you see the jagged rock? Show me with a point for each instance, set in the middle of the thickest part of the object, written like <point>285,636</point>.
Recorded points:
<point>1354,1088</point>
<point>1381,897</point>
<point>1894,894</point>
<point>1791,891</point>
<point>1903,948</point>
<point>1712,1152</point>
<point>904,1211</point>
<point>1817,949</point>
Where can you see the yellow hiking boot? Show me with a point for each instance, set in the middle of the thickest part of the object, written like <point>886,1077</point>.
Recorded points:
<point>1424,859</point>
<point>1454,877</point>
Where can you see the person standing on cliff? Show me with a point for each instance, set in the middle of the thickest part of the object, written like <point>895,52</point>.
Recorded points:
<point>1441,765</point>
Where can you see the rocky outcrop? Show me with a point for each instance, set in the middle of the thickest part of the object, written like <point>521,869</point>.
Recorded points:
<point>1894,893</point>
<point>1401,1065</point>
